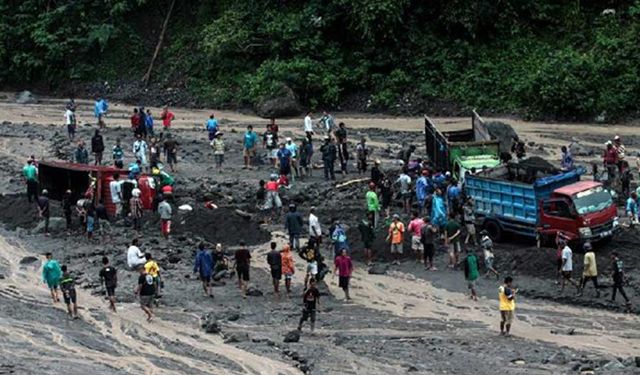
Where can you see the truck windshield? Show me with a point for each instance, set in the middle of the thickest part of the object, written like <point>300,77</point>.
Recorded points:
<point>592,200</point>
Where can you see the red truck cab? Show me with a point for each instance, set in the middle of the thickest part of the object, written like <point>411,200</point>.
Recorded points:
<point>582,211</point>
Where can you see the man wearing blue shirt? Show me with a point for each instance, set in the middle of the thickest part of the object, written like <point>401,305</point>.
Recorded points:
<point>212,127</point>
<point>100,110</point>
<point>284,158</point>
<point>250,141</point>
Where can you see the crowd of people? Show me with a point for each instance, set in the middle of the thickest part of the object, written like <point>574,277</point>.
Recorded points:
<point>435,213</point>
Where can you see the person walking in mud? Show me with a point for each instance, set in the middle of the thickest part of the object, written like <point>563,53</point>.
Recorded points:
<point>329,155</point>
<point>308,125</point>
<point>452,236</point>
<point>203,267</point>
<point>619,279</point>
<point>590,269</point>
<point>250,142</point>
<point>97,147</point>
<point>81,154</point>
<point>43,210</point>
<point>30,174</point>
<point>117,155</point>
<point>242,266</point>
<point>469,217</point>
<point>70,120</point>
<point>343,268</point>
<point>115,188</point>
<point>396,238</point>
<point>212,127</point>
<point>631,209</point>
<point>136,209</point>
<point>51,275</point>
<point>507,299</point>
<point>167,118</point>
<point>567,267</point>
<point>274,260</point>
<point>487,248</point>
<point>471,273</point>
<point>100,110</point>
<point>140,149</point>
<point>171,152</point>
<point>145,291</point>
<point>311,301</point>
<point>293,224</point>
<point>109,281</point>
<point>367,234</point>
<point>152,268</point>
<point>288,267</point>
<point>68,288</point>
<point>373,204</point>
<point>343,152</point>
<point>164,210</point>
<point>415,228</point>
<point>428,236</point>
<point>362,153</point>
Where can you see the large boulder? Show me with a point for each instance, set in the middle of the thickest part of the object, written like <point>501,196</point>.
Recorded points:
<point>501,132</point>
<point>26,97</point>
<point>282,104</point>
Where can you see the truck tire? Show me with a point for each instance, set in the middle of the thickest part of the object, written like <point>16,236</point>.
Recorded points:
<point>494,229</point>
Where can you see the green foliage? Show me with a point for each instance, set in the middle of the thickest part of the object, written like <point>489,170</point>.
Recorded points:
<point>543,58</point>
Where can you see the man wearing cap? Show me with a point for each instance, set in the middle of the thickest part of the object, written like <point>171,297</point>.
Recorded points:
<point>590,269</point>
<point>43,210</point>
<point>293,149</point>
<point>396,238</point>
<point>329,154</point>
<point>30,173</point>
<point>293,225</point>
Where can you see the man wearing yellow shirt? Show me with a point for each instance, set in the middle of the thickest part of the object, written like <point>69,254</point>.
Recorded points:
<point>152,269</point>
<point>590,269</point>
<point>507,298</point>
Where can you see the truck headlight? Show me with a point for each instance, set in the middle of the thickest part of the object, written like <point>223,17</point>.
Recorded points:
<point>585,232</point>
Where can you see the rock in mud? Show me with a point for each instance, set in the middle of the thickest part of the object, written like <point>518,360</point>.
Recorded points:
<point>378,269</point>
<point>613,366</point>
<point>28,260</point>
<point>26,97</point>
<point>292,336</point>
<point>236,337</point>
<point>212,327</point>
<point>254,292</point>
<point>503,133</point>
<point>56,225</point>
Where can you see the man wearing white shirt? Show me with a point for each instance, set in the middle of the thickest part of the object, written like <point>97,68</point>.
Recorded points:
<point>567,268</point>
<point>115,187</point>
<point>140,150</point>
<point>308,125</point>
<point>135,257</point>
<point>315,232</point>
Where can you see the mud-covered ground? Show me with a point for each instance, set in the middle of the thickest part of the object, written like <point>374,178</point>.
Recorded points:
<point>406,320</point>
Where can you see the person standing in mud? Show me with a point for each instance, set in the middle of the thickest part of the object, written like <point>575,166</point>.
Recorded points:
<point>362,153</point>
<point>567,268</point>
<point>109,280</point>
<point>140,149</point>
<point>51,275</point>
<point>249,142</point>
<point>135,121</point>
<point>70,119</point>
<point>311,301</point>
<point>315,231</point>
<point>67,207</point>
<point>167,118</point>
<point>117,154</point>
<point>487,248</point>
<point>288,267</point>
<point>212,127</point>
<point>343,152</point>
<point>97,147</point>
<point>30,174</point>
<point>338,238</point>
<point>146,290</point>
<point>203,267</point>
<point>43,210</point>
<point>218,150</point>
<point>610,160</point>
<point>452,236</point>
<point>367,234</point>
<point>115,187</point>
<point>376,173</point>
<point>68,288</point>
<point>396,238</point>
<point>308,125</point>
<point>136,209</point>
<point>293,149</point>
<point>306,151</point>
<point>421,190</point>
<point>329,154</point>
<point>148,123</point>
<point>171,152</point>
<point>373,204</point>
<point>469,218</point>
<point>242,266</point>
<point>293,224</point>
<point>428,236</point>
<point>100,109</point>
<point>270,143</point>
<point>284,158</point>
<point>343,268</point>
<point>164,210</point>
<point>590,269</point>
<point>273,203</point>
<point>566,164</point>
<point>619,279</point>
<point>404,181</point>
<point>274,260</point>
<point>152,268</point>
<point>415,228</point>
<point>386,193</point>
<point>507,299</point>
<point>81,154</point>
<point>631,209</point>
<point>471,273</point>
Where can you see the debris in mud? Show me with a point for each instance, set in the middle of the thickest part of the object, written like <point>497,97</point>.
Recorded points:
<point>292,336</point>
<point>28,260</point>
<point>236,337</point>
<point>254,292</point>
<point>210,324</point>
<point>378,269</point>
<point>568,332</point>
<point>26,97</point>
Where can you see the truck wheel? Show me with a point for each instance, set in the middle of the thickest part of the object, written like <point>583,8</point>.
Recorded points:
<point>494,229</point>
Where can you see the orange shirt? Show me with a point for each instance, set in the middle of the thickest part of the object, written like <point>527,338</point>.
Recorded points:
<point>396,232</point>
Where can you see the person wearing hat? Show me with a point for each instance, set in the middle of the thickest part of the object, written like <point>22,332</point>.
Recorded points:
<point>329,155</point>
<point>135,209</point>
<point>428,236</point>
<point>43,210</point>
<point>487,248</point>
<point>293,149</point>
<point>376,173</point>
<point>217,144</point>
<point>284,159</point>
<point>293,224</point>
<point>590,269</point>
<point>620,149</point>
<point>396,238</point>
<point>610,162</point>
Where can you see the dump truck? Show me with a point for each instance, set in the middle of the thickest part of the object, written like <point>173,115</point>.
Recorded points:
<point>57,177</point>
<point>461,151</point>
<point>541,203</point>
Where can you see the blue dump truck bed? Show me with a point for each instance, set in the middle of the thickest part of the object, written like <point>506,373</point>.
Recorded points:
<point>513,204</point>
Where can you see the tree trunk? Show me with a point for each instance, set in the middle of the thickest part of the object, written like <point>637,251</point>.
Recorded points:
<point>147,75</point>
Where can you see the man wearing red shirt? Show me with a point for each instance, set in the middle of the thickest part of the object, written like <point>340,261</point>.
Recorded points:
<point>135,120</point>
<point>343,267</point>
<point>415,228</point>
<point>611,162</point>
<point>167,117</point>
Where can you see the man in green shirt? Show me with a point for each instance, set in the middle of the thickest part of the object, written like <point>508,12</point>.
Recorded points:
<point>452,240</point>
<point>373,204</point>
<point>471,273</point>
<point>30,173</point>
<point>51,275</point>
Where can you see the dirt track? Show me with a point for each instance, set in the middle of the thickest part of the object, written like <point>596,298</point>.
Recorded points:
<point>406,320</point>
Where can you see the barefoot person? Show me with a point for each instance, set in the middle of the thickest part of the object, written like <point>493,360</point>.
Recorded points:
<point>203,267</point>
<point>67,285</point>
<point>311,300</point>
<point>288,267</point>
<point>109,280</point>
<point>428,237</point>
<point>471,273</point>
<point>396,238</point>
<point>343,267</point>
<point>274,260</point>
<point>367,234</point>
<point>567,268</point>
<point>145,291</point>
<point>243,263</point>
<point>487,248</point>
<point>51,275</point>
<point>507,298</point>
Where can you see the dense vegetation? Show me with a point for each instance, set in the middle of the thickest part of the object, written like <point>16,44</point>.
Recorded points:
<point>552,58</point>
